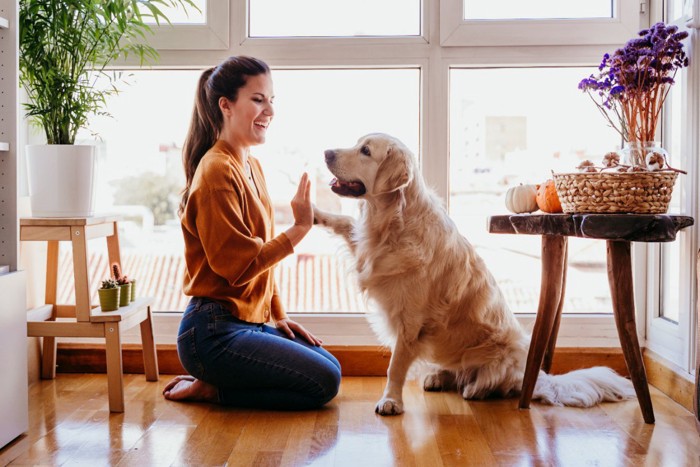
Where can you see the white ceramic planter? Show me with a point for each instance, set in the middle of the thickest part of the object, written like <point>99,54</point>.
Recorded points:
<point>61,179</point>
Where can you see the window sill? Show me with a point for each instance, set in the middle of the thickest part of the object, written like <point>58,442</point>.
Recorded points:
<point>354,329</point>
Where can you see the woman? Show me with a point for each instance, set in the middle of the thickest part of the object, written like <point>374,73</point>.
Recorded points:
<point>232,356</point>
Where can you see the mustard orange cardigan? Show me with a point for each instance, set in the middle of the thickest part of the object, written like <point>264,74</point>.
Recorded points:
<point>230,247</point>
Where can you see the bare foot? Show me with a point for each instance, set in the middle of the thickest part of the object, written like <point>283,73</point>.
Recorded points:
<point>188,388</point>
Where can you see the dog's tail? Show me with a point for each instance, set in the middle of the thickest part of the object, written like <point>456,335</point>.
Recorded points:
<point>583,388</point>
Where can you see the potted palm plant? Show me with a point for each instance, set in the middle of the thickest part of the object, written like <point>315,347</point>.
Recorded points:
<point>65,47</point>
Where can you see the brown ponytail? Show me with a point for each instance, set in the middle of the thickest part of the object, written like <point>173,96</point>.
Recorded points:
<point>222,81</point>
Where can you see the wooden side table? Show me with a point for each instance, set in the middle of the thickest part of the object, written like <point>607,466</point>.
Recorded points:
<point>83,319</point>
<point>618,230</point>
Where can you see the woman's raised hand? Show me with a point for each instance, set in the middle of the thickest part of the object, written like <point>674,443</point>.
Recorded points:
<point>301,203</point>
<point>302,210</point>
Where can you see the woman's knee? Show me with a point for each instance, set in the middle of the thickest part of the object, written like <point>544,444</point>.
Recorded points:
<point>329,381</point>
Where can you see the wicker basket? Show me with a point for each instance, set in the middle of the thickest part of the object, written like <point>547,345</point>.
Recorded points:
<point>615,192</point>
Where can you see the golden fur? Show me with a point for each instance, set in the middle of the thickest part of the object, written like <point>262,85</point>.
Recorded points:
<point>438,302</point>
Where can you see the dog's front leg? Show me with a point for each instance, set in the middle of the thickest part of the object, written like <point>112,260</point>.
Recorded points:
<point>391,402</point>
<point>340,225</point>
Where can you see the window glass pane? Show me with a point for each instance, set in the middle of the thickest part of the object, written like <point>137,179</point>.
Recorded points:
<point>334,18</point>
<point>670,252</point>
<point>670,279</point>
<point>680,8</point>
<point>317,110</point>
<point>536,9</point>
<point>140,173</point>
<point>517,125</point>
<point>180,15</point>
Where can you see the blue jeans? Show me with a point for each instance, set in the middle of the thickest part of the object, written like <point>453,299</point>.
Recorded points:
<point>254,365</point>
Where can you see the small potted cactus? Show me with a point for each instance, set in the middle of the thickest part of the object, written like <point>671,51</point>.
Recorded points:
<point>124,285</point>
<point>109,295</point>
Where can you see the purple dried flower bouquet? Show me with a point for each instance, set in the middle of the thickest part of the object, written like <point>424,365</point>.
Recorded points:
<point>633,83</point>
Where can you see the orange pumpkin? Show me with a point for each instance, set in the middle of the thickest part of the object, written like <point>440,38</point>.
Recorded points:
<point>547,198</point>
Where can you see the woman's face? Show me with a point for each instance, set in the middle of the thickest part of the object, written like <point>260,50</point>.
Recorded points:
<point>246,120</point>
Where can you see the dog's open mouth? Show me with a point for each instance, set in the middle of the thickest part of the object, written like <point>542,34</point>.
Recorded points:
<point>344,188</point>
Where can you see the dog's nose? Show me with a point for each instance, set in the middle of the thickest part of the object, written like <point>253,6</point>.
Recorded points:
<point>330,155</point>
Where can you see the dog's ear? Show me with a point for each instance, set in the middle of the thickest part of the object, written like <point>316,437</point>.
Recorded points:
<point>394,172</point>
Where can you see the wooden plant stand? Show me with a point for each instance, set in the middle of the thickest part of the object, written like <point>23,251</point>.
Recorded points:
<point>82,319</point>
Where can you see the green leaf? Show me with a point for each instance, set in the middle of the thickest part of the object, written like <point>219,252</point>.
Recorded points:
<point>62,41</point>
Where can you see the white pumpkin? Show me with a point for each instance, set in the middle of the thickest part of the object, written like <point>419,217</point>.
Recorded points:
<point>522,198</point>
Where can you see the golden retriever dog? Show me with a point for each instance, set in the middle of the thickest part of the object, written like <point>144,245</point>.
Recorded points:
<point>437,301</point>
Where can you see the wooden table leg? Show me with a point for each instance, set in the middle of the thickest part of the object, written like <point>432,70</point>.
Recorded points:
<point>622,292</point>
<point>48,353</point>
<point>148,345</point>
<point>551,290</point>
<point>81,275</point>
<point>115,369</point>
<point>549,353</point>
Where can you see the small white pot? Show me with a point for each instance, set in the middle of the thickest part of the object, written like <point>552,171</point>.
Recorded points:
<point>61,179</point>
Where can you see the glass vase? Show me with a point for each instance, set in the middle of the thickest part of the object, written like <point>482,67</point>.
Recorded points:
<point>639,154</point>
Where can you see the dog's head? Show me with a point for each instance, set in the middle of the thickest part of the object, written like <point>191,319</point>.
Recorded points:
<point>378,164</point>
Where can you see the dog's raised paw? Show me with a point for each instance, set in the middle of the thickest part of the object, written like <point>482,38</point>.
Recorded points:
<point>387,406</point>
<point>319,217</point>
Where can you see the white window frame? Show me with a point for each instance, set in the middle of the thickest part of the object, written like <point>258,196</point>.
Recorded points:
<point>676,341</point>
<point>213,35</point>
<point>434,60</point>
<point>428,52</point>
<point>456,31</point>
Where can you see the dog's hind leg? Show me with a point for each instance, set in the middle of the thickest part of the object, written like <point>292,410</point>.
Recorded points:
<point>494,378</point>
<point>440,380</point>
<point>340,225</point>
<point>391,402</point>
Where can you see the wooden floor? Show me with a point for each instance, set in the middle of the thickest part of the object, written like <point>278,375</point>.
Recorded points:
<point>70,424</point>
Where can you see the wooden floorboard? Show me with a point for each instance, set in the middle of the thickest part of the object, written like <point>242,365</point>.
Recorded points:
<point>70,424</point>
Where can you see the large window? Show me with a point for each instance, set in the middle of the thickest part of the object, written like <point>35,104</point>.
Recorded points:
<point>486,95</point>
